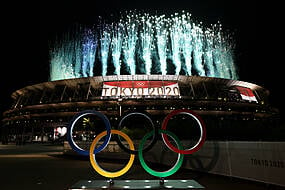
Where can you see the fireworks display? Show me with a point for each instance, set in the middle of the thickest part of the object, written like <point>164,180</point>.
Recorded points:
<point>140,43</point>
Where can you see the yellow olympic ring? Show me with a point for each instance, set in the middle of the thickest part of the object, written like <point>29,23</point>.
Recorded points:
<point>103,172</point>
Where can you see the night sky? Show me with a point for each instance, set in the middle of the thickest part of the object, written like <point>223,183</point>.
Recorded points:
<point>256,29</point>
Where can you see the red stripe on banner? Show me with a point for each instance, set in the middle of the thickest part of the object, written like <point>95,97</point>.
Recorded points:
<point>245,91</point>
<point>139,84</point>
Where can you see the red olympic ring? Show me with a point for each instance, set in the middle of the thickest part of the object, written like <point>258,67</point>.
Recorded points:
<point>201,140</point>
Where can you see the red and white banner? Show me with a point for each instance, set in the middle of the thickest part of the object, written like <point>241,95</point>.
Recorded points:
<point>140,88</point>
<point>246,94</point>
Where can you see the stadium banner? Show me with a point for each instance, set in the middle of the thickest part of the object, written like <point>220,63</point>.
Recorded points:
<point>246,94</point>
<point>140,88</point>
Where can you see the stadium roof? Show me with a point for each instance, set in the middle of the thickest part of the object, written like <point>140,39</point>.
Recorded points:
<point>98,80</point>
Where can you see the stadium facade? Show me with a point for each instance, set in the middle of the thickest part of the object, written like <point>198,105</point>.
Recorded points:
<point>231,109</point>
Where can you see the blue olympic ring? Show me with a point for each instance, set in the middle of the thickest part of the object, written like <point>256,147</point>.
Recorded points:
<point>77,116</point>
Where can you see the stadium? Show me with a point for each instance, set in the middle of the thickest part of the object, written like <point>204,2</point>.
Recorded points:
<point>39,110</point>
<point>144,63</point>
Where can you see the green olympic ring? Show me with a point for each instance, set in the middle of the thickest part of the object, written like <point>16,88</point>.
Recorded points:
<point>166,173</point>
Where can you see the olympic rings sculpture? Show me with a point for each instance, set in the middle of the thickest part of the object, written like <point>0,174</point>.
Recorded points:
<point>165,134</point>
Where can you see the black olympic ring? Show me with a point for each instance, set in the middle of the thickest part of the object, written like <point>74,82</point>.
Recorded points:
<point>149,146</point>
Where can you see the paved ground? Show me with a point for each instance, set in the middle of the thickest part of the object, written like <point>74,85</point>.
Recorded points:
<point>43,166</point>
